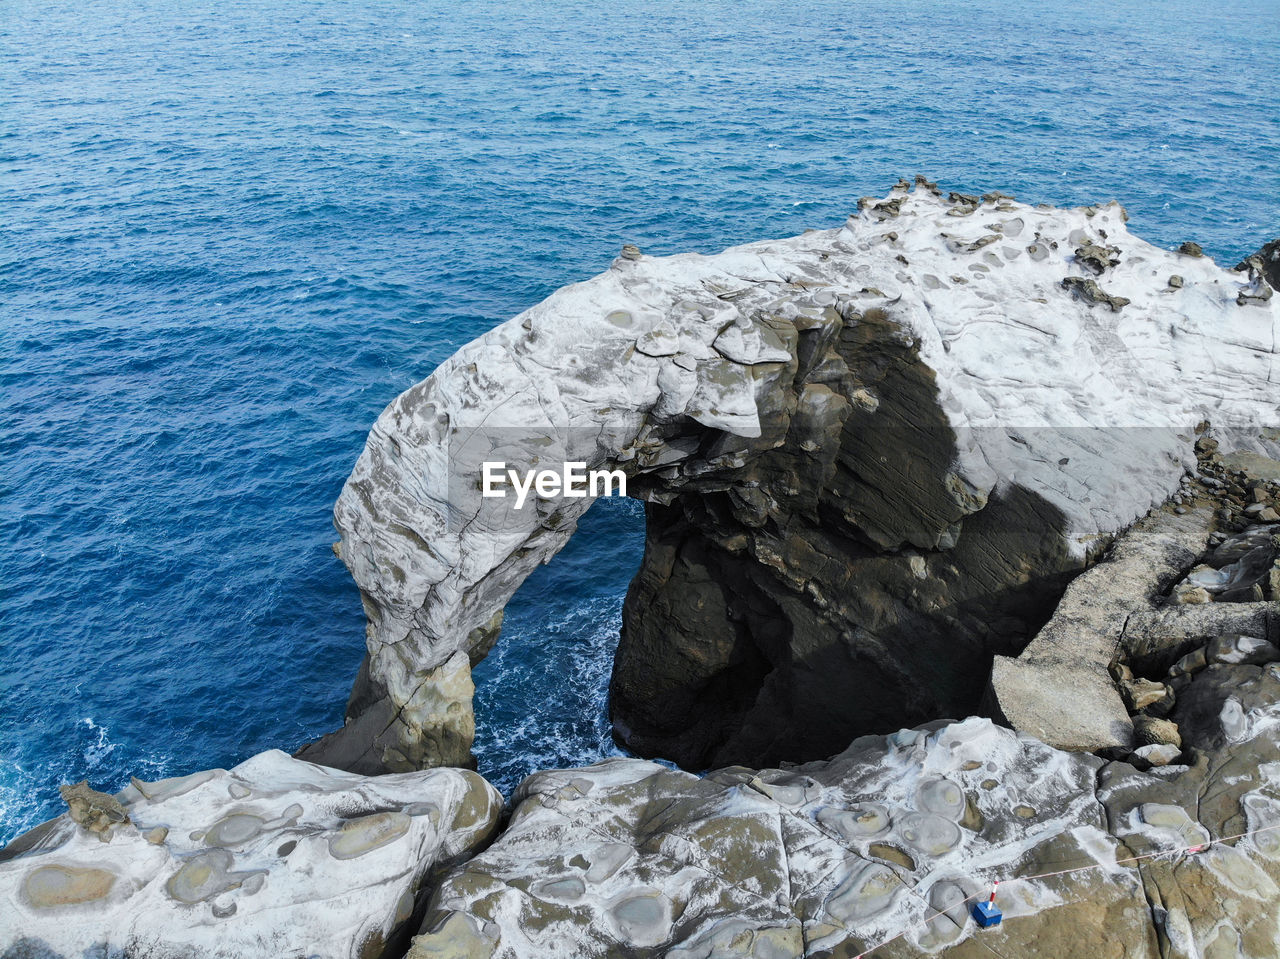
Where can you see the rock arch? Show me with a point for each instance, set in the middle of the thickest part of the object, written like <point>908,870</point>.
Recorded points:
<point>872,456</point>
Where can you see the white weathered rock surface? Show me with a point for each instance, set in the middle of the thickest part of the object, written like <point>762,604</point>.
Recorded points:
<point>274,858</point>
<point>887,841</point>
<point>1064,361</point>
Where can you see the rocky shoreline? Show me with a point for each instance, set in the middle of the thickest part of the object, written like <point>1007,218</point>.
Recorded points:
<point>960,457</point>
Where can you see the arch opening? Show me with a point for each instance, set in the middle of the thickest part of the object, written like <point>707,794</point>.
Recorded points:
<point>541,692</point>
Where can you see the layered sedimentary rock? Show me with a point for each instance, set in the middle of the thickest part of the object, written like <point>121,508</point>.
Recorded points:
<point>888,843</point>
<point>276,857</point>
<point>872,459</point>
<point>872,456</point>
<point>1167,846</point>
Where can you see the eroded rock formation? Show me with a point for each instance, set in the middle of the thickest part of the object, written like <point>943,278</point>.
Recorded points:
<point>872,458</point>
<point>889,842</point>
<point>276,857</point>
<point>884,847</point>
<point>1265,264</point>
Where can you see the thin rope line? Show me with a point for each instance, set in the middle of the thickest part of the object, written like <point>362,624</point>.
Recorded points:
<point>1194,847</point>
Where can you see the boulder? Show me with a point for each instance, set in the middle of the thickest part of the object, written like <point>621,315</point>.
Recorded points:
<point>276,857</point>
<point>1151,731</point>
<point>1251,650</point>
<point>96,811</point>
<point>1187,594</point>
<point>1139,694</point>
<point>1158,754</point>
<point>872,458</point>
<point>1060,688</point>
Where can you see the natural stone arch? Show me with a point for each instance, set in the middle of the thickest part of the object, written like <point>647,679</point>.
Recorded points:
<point>924,380</point>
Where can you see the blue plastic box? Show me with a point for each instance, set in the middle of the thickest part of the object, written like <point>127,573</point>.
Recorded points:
<point>986,914</point>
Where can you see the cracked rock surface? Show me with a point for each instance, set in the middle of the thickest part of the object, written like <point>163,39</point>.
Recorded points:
<point>829,858</point>
<point>872,457</point>
<point>276,857</point>
<point>883,845</point>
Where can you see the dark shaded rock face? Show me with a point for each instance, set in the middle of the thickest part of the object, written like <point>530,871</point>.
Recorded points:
<point>1266,261</point>
<point>849,556</point>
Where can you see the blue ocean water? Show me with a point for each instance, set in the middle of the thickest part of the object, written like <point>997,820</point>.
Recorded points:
<point>231,232</point>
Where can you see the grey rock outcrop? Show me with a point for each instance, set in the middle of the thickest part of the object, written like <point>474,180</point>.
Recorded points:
<point>872,458</point>
<point>1060,688</point>
<point>887,843</point>
<point>96,811</point>
<point>276,857</point>
<point>1265,262</point>
<point>1073,686</point>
